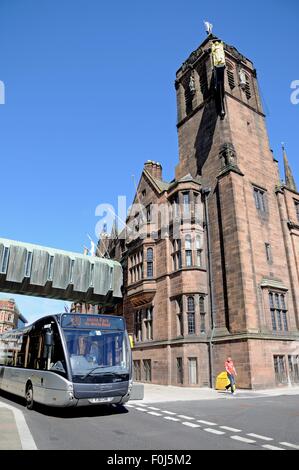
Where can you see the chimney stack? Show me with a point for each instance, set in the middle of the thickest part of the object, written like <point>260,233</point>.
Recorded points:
<point>154,168</point>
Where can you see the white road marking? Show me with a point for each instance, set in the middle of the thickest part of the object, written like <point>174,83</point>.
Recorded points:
<point>206,422</point>
<point>258,436</point>
<point>185,417</point>
<point>214,431</point>
<point>191,425</point>
<point>25,435</point>
<point>242,439</point>
<point>288,444</point>
<point>230,429</point>
<point>268,446</point>
<point>153,413</point>
<point>170,418</point>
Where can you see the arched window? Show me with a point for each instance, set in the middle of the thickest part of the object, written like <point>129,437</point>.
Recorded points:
<point>149,260</point>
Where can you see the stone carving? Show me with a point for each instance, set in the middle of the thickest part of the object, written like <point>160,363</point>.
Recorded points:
<point>228,154</point>
<point>242,78</point>
<point>192,85</point>
<point>218,54</point>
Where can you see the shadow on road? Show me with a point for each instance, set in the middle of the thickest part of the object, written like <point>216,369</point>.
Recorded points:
<point>76,412</point>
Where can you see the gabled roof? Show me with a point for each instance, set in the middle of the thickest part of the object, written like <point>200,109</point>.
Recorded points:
<point>159,185</point>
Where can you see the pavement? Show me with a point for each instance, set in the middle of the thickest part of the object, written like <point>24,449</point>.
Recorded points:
<point>15,434</point>
<point>165,393</point>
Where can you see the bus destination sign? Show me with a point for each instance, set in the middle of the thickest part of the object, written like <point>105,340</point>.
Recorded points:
<point>92,321</point>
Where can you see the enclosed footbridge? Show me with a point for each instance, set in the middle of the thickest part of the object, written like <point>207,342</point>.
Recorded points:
<point>47,272</point>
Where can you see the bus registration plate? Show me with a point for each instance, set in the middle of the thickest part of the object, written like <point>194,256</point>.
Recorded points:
<point>101,400</point>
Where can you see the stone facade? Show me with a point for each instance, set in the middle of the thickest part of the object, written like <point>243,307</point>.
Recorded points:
<point>217,273</point>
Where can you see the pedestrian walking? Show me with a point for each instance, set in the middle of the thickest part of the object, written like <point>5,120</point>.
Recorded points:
<point>231,374</point>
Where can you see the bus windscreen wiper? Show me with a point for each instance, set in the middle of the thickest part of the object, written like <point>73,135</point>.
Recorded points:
<point>95,368</point>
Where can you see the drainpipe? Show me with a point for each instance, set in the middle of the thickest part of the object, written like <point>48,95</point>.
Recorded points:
<point>206,192</point>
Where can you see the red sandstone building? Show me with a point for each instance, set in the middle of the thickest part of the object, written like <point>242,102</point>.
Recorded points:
<point>224,280</point>
<point>10,316</point>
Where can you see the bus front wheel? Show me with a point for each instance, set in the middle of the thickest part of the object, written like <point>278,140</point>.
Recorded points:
<point>29,396</point>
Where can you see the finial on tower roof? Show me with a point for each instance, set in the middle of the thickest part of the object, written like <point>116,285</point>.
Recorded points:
<point>289,179</point>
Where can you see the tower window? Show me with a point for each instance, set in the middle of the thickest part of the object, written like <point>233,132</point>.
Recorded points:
<point>188,250</point>
<point>191,315</point>
<point>202,314</point>
<point>150,259</point>
<point>247,88</point>
<point>278,311</point>
<point>189,93</point>
<point>260,199</point>
<point>230,76</point>
<point>203,79</point>
<point>176,255</point>
<point>149,213</point>
<point>268,252</point>
<point>186,204</point>
<point>147,367</point>
<point>179,367</point>
<point>137,371</point>
<point>280,369</point>
<point>179,310</point>
<point>297,209</point>
<point>198,251</point>
<point>294,368</point>
<point>138,325</point>
<point>148,323</point>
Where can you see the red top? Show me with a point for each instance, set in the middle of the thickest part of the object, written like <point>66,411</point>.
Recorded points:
<point>230,368</point>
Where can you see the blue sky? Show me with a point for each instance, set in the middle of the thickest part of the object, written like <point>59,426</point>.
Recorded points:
<point>90,97</point>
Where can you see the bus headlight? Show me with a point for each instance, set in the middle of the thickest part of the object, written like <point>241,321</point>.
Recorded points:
<point>130,385</point>
<point>70,388</point>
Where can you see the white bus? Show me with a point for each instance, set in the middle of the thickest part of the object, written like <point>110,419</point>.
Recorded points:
<point>68,360</point>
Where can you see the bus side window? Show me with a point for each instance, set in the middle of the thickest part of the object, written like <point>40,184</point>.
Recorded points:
<point>21,357</point>
<point>57,361</point>
<point>36,358</point>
